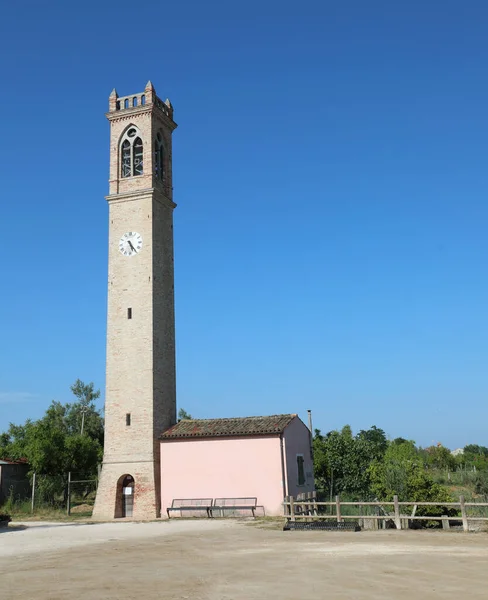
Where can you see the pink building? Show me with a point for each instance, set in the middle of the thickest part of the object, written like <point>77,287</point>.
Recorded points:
<point>263,457</point>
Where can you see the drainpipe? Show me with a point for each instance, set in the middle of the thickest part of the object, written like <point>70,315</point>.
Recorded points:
<point>283,466</point>
<point>310,433</point>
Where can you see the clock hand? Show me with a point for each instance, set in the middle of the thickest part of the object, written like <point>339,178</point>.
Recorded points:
<point>130,244</point>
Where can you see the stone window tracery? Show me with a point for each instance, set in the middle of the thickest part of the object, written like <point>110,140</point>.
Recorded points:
<point>131,154</point>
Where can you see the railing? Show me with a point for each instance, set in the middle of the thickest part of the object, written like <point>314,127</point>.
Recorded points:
<point>305,506</point>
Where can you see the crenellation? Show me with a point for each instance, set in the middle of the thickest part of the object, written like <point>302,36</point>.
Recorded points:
<point>138,102</point>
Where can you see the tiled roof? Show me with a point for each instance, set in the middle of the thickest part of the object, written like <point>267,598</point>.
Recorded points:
<point>199,428</point>
<point>7,461</point>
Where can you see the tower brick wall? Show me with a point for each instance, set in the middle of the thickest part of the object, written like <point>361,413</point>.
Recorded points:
<point>140,399</point>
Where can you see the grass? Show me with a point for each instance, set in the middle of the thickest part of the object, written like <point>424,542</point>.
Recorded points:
<point>22,511</point>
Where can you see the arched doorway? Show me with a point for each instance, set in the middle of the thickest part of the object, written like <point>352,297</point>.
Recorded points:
<point>125,497</point>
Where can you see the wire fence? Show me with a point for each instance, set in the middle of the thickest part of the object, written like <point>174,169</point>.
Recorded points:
<point>73,493</point>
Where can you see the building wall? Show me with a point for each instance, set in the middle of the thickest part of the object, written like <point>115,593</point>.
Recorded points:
<point>223,467</point>
<point>296,439</point>
<point>14,477</point>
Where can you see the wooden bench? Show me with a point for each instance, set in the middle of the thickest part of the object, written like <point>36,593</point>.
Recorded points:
<point>187,504</point>
<point>223,504</point>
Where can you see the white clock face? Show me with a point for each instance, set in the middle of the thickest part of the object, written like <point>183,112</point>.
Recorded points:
<point>130,243</point>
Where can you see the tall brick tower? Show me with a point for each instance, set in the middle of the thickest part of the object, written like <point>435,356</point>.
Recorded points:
<point>140,398</point>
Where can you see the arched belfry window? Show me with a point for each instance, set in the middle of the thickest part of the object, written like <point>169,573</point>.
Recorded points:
<point>159,157</point>
<point>131,153</point>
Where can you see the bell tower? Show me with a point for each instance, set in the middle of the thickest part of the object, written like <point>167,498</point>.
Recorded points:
<point>140,399</point>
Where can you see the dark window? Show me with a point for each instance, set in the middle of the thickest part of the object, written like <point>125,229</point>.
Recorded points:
<point>301,470</point>
<point>159,158</point>
<point>143,99</point>
<point>134,101</point>
<point>129,313</point>
<point>127,419</point>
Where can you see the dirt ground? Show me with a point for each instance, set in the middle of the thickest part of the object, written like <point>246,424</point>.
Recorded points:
<point>228,560</point>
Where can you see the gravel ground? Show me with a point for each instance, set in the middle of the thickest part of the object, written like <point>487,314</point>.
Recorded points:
<point>229,560</point>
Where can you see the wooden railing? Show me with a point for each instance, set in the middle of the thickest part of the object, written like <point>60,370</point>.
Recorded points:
<point>305,506</point>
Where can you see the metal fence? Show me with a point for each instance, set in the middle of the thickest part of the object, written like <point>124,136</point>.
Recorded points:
<point>67,491</point>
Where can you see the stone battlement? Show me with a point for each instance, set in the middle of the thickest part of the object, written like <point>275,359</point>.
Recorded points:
<point>139,101</point>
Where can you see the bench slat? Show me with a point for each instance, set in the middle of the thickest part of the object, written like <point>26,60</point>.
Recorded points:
<point>191,502</point>
<point>235,502</point>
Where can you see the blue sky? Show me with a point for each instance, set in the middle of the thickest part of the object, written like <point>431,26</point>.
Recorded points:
<point>330,171</point>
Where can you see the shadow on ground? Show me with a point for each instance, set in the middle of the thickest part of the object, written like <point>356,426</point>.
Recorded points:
<point>10,528</point>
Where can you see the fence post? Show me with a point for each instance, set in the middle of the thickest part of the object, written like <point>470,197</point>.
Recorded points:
<point>68,504</point>
<point>398,521</point>
<point>314,497</point>
<point>292,508</point>
<point>33,491</point>
<point>338,509</point>
<point>445,522</point>
<point>464,514</point>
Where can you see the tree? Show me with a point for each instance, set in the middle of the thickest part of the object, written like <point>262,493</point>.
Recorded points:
<point>377,440</point>
<point>86,395</point>
<point>476,450</point>
<point>474,457</point>
<point>54,444</point>
<point>439,457</point>
<point>183,415</point>
<point>402,472</point>
<point>389,476</point>
<point>341,460</point>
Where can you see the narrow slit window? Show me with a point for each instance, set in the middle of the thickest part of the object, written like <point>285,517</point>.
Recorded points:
<point>127,419</point>
<point>301,470</point>
<point>129,313</point>
<point>143,99</point>
<point>159,157</point>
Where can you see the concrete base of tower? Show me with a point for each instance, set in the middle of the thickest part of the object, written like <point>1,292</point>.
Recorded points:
<point>128,490</point>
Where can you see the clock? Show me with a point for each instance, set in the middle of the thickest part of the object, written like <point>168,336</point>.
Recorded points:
<point>130,243</point>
